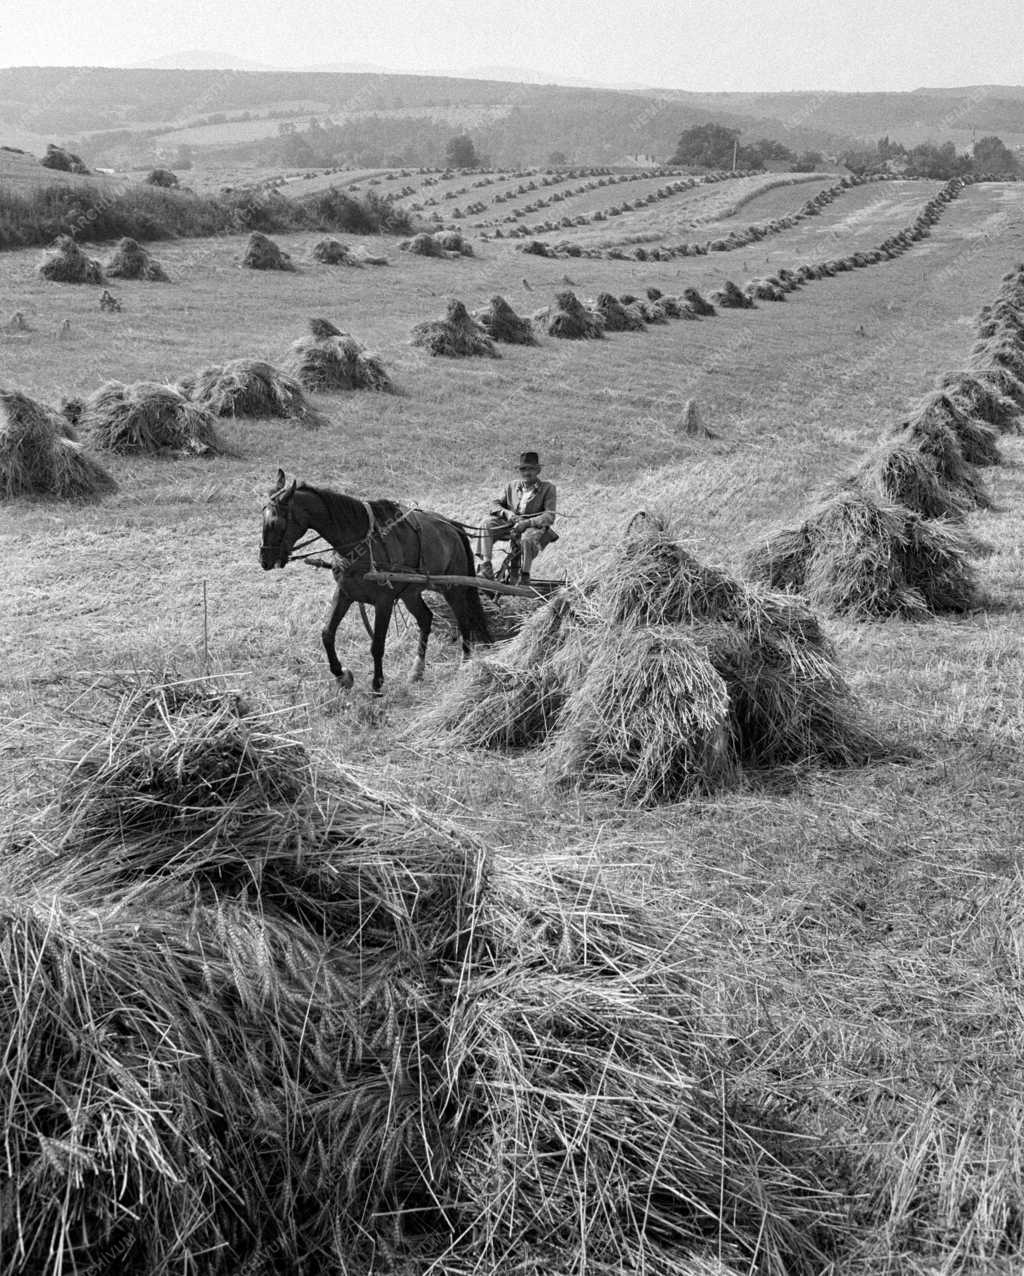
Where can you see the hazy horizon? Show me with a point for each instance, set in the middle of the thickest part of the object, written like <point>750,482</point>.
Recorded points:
<point>780,46</point>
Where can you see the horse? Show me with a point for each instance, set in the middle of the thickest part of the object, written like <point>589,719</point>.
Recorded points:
<point>375,534</point>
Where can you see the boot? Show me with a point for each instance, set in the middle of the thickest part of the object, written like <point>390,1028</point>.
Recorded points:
<point>485,571</point>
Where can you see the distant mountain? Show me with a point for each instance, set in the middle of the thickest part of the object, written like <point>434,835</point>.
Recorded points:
<point>118,116</point>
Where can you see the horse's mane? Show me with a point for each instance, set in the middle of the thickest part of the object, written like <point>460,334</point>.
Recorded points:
<point>384,510</point>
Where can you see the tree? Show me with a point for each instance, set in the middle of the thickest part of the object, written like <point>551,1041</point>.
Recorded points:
<point>461,153</point>
<point>161,177</point>
<point>992,155</point>
<point>557,158</point>
<point>706,146</point>
<point>807,162</point>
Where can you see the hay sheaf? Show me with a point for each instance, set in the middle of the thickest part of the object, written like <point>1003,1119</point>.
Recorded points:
<point>335,362</point>
<point>616,316</point>
<point>66,263</point>
<point>861,557</point>
<point>980,397</point>
<point>262,253</point>
<point>334,253</point>
<point>979,443</point>
<point>899,473</point>
<point>131,261</point>
<point>612,681</point>
<point>146,418</point>
<point>40,456</point>
<point>934,438</point>
<point>731,297</point>
<point>299,1024</point>
<point>569,318</point>
<point>251,387</point>
<point>457,335</point>
<point>501,323</point>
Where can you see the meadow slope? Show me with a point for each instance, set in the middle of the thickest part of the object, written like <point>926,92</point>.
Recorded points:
<point>861,930</point>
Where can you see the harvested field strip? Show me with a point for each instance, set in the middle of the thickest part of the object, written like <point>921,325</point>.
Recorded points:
<point>860,552</point>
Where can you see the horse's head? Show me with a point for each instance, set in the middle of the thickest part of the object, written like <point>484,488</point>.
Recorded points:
<point>282,524</point>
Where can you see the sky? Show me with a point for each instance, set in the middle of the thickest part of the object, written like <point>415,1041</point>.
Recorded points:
<point>754,45</point>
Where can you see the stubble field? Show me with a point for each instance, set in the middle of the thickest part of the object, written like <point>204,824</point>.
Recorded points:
<point>859,931</point>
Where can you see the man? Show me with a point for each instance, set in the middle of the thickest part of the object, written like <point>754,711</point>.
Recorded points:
<point>526,509</point>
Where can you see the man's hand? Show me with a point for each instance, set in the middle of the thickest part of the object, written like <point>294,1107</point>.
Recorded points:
<point>521,525</point>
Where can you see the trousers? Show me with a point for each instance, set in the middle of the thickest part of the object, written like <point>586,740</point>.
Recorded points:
<point>496,528</point>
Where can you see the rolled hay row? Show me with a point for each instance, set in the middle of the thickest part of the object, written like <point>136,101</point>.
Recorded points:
<point>333,253</point>
<point>501,323</point>
<point>335,361</point>
<point>262,253</point>
<point>253,388</point>
<point>978,442</point>
<point>331,1028</point>
<point>981,398</point>
<point>131,261</point>
<point>570,319</point>
<point>146,418</point>
<point>731,297</point>
<point>698,304</point>
<point>457,335</point>
<point>65,263</point>
<point>616,316</point>
<point>857,556</point>
<point>39,455</point>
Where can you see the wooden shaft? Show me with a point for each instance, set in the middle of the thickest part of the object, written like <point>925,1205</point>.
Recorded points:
<point>446,582</point>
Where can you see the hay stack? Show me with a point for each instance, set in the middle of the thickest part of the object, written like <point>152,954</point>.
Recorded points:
<point>148,419</point>
<point>979,443</point>
<point>649,719</point>
<point>250,387</point>
<point>999,352</point>
<point>860,557</point>
<point>457,335</point>
<point>65,263</point>
<point>936,440</point>
<point>422,245</point>
<point>697,303</point>
<point>899,473</point>
<point>261,253</point>
<point>616,316</point>
<point>333,252</point>
<point>335,361</point>
<point>39,455</point>
<point>569,318</point>
<point>501,323</point>
<point>622,681</point>
<point>301,1021</point>
<point>453,241</point>
<point>979,397</point>
<point>132,261</point>
<point>731,297</point>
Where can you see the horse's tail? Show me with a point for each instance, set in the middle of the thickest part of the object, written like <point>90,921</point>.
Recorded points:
<point>478,628</point>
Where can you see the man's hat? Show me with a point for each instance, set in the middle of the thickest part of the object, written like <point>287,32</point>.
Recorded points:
<point>529,458</point>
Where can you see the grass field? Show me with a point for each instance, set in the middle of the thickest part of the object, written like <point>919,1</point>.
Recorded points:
<point>859,932</point>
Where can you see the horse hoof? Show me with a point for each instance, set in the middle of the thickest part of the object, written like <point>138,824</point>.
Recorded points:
<point>345,680</point>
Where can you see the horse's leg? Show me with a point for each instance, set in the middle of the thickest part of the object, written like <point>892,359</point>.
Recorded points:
<point>457,602</point>
<point>424,617</point>
<point>335,615</point>
<point>381,620</point>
